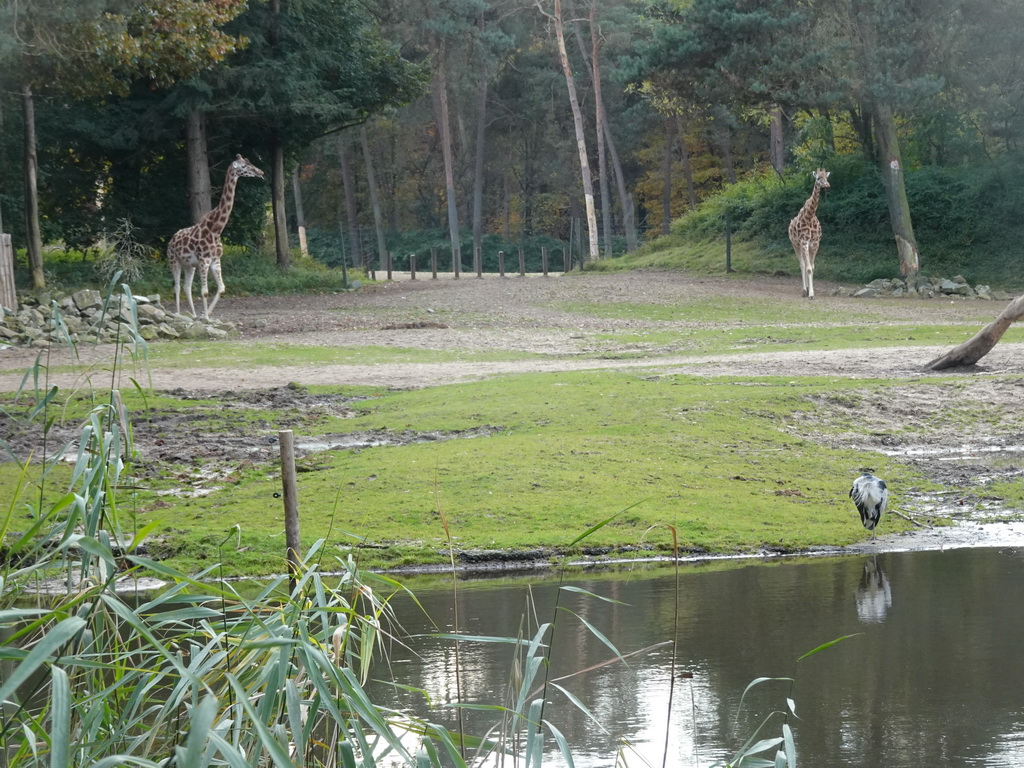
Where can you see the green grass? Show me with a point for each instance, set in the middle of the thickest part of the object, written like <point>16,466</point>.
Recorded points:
<point>730,464</point>
<point>712,458</point>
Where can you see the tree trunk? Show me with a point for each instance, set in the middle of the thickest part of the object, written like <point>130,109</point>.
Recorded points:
<point>300,216</point>
<point>581,140</point>
<point>776,143</point>
<point>691,191</point>
<point>34,240</point>
<point>972,350</point>
<point>723,133</point>
<point>284,257</point>
<point>625,200</point>
<point>348,183</point>
<point>602,160</point>
<point>895,190</point>
<point>666,175</point>
<point>445,133</point>
<point>200,195</point>
<point>480,165</point>
<point>371,183</point>
<point>506,208</point>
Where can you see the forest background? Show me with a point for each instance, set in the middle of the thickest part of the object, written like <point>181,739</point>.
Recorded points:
<point>404,125</point>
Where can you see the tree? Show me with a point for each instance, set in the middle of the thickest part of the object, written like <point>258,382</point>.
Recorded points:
<point>89,49</point>
<point>440,96</point>
<point>577,118</point>
<point>349,188</point>
<point>312,68</point>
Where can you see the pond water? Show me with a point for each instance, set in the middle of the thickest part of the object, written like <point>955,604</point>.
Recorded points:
<point>933,675</point>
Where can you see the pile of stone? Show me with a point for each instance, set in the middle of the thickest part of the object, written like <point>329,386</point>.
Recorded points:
<point>924,288</point>
<point>83,315</point>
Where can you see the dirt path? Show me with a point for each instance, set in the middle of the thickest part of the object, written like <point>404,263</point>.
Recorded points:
<point>534,315</point>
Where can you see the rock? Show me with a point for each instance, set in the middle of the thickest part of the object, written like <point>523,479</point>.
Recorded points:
<point>151,313</point>
<point>866,293</point>
<point>87,299</point>
<point>82,317</point>
<point>30,317</point>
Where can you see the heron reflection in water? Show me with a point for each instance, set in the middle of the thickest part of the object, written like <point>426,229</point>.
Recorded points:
<point>874,595</point>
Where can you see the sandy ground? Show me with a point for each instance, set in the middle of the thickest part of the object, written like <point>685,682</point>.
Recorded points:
<point>535,315</point>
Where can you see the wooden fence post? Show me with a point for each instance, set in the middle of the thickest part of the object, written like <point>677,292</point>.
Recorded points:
<point>286,440</point>
<point>501,263</point>
<point>412,266</point>
<point>544,260</point>
<point>433,262</point>
<point>522,262</point>
<point>390,261</point>
<point>8,295</point>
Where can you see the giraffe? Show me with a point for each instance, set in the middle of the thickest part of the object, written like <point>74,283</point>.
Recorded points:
<point>200,245</point>
<point>805,232</point>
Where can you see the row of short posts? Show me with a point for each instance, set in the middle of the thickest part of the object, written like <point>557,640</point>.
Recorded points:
<point>388,265</point>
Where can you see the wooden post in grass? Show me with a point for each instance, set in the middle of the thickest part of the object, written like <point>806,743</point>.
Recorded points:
<point>544,260</point>
<point>286,440</point>
<point>501,263</point>
<point>412,266</point>
<point>522,262</point>
<point>390,262</point>
<point>433,262</point>
<point>8,295</point>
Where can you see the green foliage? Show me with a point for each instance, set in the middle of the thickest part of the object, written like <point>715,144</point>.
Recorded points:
<point>965,220</point>
<point>246,272</point>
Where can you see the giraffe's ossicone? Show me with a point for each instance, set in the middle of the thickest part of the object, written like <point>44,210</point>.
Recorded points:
<point>805,232</point>
<point>199,246</point>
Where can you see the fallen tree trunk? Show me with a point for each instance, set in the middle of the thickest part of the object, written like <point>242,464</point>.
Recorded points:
<point>972,350</point>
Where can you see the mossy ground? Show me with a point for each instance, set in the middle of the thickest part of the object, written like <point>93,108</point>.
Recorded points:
<point>722,462</point>
<point>716,464</point>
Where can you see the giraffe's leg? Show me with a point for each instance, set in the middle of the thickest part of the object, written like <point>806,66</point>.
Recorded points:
<point>176,274</point>
<point>812,251</point>
<point>802,256</point>
<point>190,272</point>
<point>215,268</point>
<point>204,268</point>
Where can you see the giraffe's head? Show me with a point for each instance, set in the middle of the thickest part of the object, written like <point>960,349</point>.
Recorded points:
<point>243,167</point>
<point>821,178</point>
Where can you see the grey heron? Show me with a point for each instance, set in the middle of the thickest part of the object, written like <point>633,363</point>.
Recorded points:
<point>870,495</point>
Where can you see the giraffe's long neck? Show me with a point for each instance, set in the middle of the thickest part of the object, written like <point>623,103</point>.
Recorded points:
<point>217,218</point>
<point>811,206</point>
